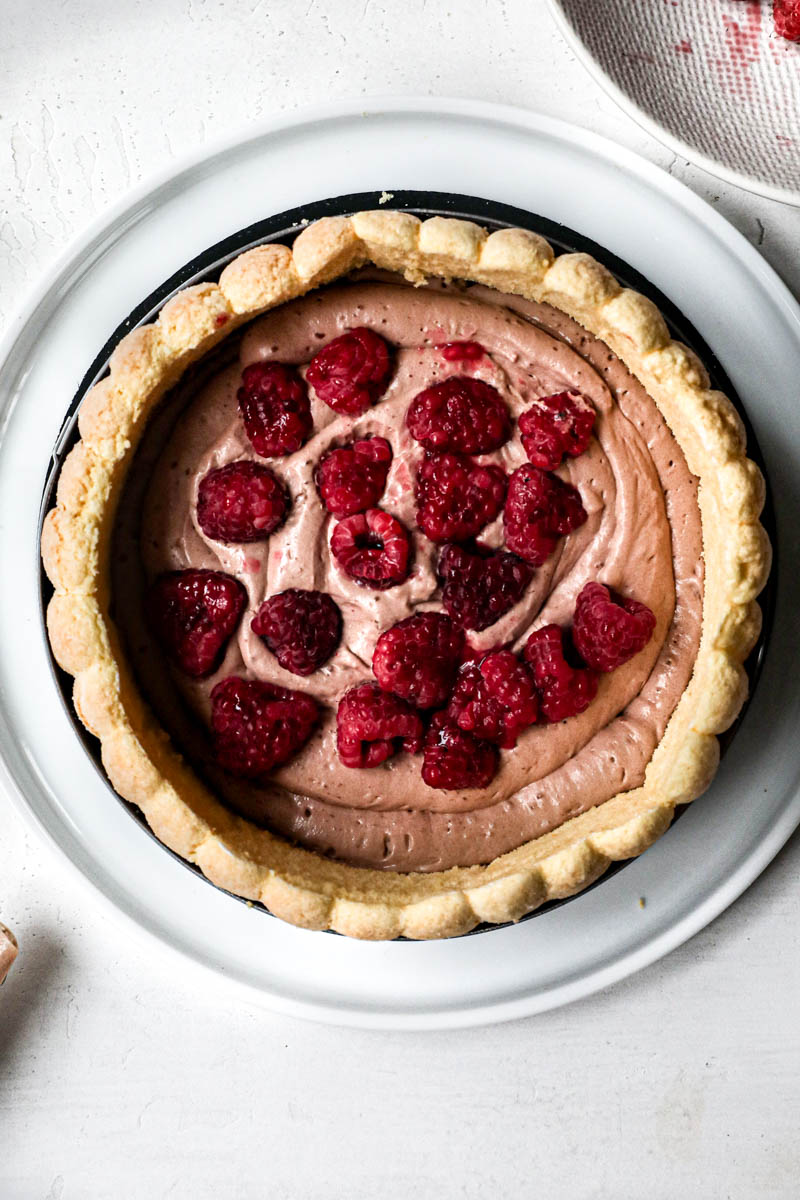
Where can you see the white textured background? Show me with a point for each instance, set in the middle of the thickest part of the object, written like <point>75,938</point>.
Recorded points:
<point>120,1078</point>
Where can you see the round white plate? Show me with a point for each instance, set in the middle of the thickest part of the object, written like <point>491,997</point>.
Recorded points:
<point>709,78</point>
<point>724,287</point>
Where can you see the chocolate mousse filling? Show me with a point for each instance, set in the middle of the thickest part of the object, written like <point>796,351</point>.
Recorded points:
<point>642,537</point>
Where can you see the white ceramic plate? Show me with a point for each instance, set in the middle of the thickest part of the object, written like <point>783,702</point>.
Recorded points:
<point>709,78</point>
<point>724,287</point>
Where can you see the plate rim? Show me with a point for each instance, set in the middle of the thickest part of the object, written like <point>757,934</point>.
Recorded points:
<point>592,65</point>
<point>680,929</point>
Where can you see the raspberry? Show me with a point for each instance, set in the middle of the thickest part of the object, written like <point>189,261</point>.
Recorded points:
<point>787,18</point>
<point>418,658</point>
<point>372,725</point>
<point>258,726</point>
<point>479,585</point>
<point>240,502</point>
<point>608,629</point>
<point>461,414</point>
<point>194,614</point>
<point>351,372</point>
<point>456,497</point>
<point>495,699</point>
<point>555,426</point>
<point>273,401</point>
<point>373,548</point>
<point>462,351</point>
<point>454,759</point>
<point>539,508</point>
<point>564,690</point>
<point>352,478</point>
<point>302,629</point>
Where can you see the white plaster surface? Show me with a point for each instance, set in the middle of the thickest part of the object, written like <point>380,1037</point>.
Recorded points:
<point>118,1075</point>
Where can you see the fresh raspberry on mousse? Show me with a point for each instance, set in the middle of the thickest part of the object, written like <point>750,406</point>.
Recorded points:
<point>457,497</point>
<point>351,372</point>
<point>461,414</point>
<point>480,585</point>
<point>454,759</point>
<point>608,629</point>
<point>273,402</point>
<point>555,426</point>
<point>495,699</point>
<point>372,725</point>
<point>540,508</point>
<point>301,628</point>
<point>373,548</point>
<point>351,479</point>
<point>257,726</point>
<point>240,502</point>
<point>564,690</point>
<point>418,657</point>
<point>194,615</point>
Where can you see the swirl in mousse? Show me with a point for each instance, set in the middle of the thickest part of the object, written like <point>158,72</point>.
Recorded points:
<point>406,496</point>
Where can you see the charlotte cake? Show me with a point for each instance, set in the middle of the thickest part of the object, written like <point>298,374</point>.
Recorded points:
<point>406,575</point>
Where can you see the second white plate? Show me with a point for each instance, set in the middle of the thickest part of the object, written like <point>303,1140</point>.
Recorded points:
<point>712,80</point>
<point>752,325</point>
